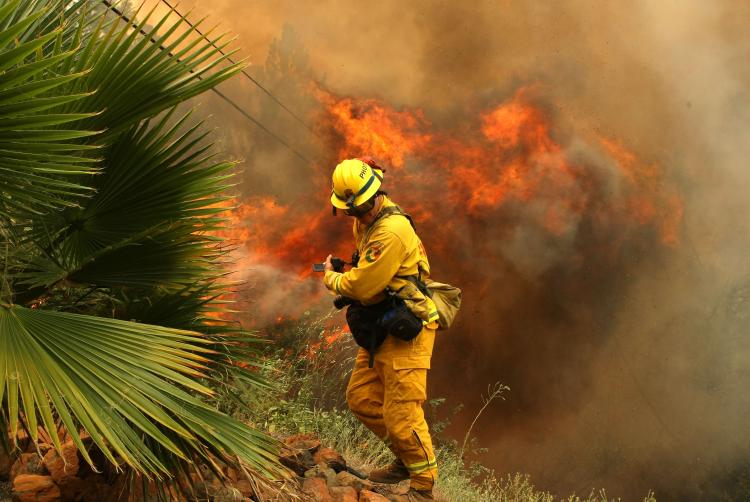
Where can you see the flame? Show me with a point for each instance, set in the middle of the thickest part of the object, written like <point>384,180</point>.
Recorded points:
<point>371,128</point>
<point>502,170</point>
<point>649,201</point>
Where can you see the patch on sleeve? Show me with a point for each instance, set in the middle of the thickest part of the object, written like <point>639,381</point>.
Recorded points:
<point>373,252</point>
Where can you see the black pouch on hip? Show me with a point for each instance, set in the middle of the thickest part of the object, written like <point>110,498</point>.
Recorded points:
<point>399,321</point>
<point>365,326</point>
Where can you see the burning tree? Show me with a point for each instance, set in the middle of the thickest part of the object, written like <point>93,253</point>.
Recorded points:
<point>109,318</point>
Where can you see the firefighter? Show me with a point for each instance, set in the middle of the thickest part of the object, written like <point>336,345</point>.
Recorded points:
<point>389,385</point>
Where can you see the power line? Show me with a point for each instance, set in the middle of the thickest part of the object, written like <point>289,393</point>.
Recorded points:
<point>253,80</point>
<point>257,123</point>
<point>245,113</point>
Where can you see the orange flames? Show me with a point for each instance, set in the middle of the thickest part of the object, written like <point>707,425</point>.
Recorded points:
<point>370,128</point>
<point>505,171</point>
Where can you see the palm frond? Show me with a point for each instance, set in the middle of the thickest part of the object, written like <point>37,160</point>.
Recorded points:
<point>80,369</point>
<point>138,76</point>
<point>33,178</point>
<point>148,221</point>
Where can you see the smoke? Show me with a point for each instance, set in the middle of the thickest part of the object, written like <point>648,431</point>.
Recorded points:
<point>626,352</point>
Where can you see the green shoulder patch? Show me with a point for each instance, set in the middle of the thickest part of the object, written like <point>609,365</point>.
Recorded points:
<point>373,251</point>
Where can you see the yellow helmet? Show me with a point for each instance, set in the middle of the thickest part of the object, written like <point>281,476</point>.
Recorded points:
<point>355,181</point>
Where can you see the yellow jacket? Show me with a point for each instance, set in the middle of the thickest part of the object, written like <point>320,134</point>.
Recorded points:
<point>388,251</point>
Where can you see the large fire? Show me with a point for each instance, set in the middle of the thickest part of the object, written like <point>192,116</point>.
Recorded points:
<point>504,173</point>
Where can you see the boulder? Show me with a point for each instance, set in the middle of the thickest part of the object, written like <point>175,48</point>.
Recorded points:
<point>321,471</point>
<point>35,488</point>
<point>349,479</point>
<point>28,463</point>
<point>368,496</point>
<point>330,458</point>
<point>344,494</point>
<point>317,489</point>
<point>64,467</point>
<point>298,461</point>
<point>303,442</point>
<point>300,440</point>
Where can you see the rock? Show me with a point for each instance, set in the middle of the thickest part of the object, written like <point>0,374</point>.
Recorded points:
<point>343,494</point>
<point>62,468</point>
<point>35,488</point>
<point>330,475</point>
<point>27,463</point>
<point>368,496</point>
<point>330,458</point>
<point>317,489</point>
<point>298,461</point>
<point>298,453</point>
<point>394,496</point>
<point>305,442</point>
<point>321,471</point>
<point>348,479</point>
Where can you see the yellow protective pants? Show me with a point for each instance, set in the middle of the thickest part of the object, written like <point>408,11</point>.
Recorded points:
<point>388,399</point>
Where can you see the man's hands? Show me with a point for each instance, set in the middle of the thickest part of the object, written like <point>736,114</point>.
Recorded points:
<point>331,263</point>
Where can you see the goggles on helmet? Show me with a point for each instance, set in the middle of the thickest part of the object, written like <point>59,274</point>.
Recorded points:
<point>362,209</point>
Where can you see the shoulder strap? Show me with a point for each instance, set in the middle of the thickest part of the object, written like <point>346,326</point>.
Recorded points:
<point>385,213</point>
<point>416,279</point>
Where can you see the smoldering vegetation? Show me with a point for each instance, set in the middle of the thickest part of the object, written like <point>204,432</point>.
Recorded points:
<point>627,358</point>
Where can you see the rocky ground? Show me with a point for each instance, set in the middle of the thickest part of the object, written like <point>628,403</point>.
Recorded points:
<point>326,477</point>
<point>317,473</point>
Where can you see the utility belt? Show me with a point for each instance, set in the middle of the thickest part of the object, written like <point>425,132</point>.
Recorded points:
<point>371,324</point>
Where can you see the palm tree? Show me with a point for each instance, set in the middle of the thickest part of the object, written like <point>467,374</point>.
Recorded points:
<point>110,296</point>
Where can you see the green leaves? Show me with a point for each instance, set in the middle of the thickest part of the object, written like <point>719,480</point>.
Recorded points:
<point>28,89</point>
<point>137,76</point>
<point>109,205</point>
<point>146,224</point>
<point>79,370</point>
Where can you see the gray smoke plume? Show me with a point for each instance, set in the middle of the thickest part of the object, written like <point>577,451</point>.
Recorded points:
<point>628,373</point>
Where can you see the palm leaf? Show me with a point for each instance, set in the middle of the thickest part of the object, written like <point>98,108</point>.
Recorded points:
<point>80,369</point>
<point>137,76</point>
<point>28,91</point>
<point>146,225</point>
